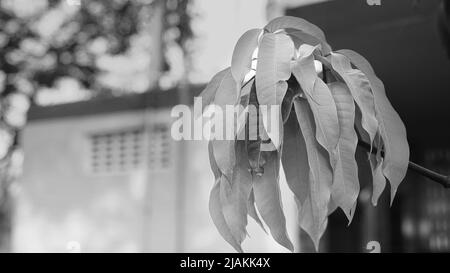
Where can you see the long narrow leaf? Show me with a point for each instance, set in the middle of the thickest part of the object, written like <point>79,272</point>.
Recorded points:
<point>392,129</point>
<point>295,159</point>
<point>375,161</point>
<point>215,210</point>
<point>235,195</point>
<point>251,208</point>
<point>223,148</point>
<point>242,55</point>
<point>314,211</point>
<point>360,89</point>
<point>320,99</point>
<point>376,164</point>
<point>268,200</point>
<point>274,58</point>
<point>215,204</point>
<point>345,188</point>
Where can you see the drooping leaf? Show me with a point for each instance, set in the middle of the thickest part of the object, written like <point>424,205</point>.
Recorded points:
<point>223,148</point>
<point>292,92</point>
<point>225,156</point>
<point>235,217</point>
<point>269,120</point>
<point>254,137</point>
<point>209,93</point>
<point>226,91</point>
<point>251,208</point>
<point>215,210</point>
<point>299,24</point>
<point>392,129</point>
<point>244,101</point>
<point>345,188</point>
<point>375,161</point>
<point>235,184</point>
<point>359,87</point>
<point>215,204</point>
<point>242,54</point>
<point>273,121</point>
<point>300,37</point>
<point>274,58</point>
<point>314,210</point>
<point>295,160</point>
<point>212,162</point>
<point>320,99</point>
<point>234,196</point>
<point>379,181</point>
<point>376,164</point>
<point>267,193</point>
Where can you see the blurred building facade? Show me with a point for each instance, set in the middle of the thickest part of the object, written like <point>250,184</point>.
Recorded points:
<point>107,176</point>
<point>104,174</point>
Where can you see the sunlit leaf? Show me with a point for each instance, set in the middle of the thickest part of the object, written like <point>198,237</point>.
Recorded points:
<point>242,55</point>
<point>290,23</point>
<point>209,93</point>
<point>320,99</point>
<point>300,37</point>
<point>359,87</point>
<point>274,58</point>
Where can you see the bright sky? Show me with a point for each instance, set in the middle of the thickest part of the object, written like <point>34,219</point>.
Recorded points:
<point>219,26</point>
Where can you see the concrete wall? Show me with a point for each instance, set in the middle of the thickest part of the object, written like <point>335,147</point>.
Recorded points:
<point>60,201</point>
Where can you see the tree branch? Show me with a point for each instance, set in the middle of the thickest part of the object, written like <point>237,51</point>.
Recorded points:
<point>434,176</point>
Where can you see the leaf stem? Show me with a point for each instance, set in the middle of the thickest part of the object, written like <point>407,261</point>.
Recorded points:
<point>434,176</point>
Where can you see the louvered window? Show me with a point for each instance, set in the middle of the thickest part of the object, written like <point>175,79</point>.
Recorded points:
<point>116,152</point>
<point>160,147</point>
<point>123,151</point>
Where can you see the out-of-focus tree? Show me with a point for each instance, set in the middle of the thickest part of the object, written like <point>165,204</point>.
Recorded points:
<point>55,51</point>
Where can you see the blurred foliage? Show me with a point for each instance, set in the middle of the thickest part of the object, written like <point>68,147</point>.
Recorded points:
<point>43,42</point>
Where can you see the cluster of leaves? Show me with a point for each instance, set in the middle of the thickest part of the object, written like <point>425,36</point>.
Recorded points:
<point>323,114</point>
